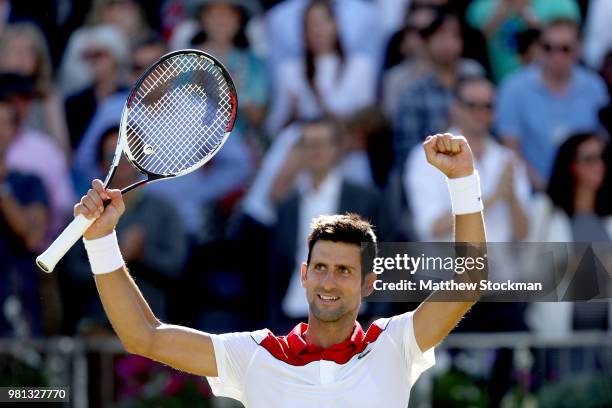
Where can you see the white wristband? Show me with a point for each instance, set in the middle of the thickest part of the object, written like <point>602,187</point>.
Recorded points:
<point>465,194</point>
<point>104,255</point>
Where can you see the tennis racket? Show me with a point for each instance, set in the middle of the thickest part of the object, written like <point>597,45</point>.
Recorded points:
<point>177,117</point>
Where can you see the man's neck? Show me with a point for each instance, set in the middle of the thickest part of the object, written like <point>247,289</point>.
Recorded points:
<point>446,74</point>
<point>557,83</point>
<point>326,334</point>
<point>318,178</point>
<point>219,47</point>
<point>104,89</point>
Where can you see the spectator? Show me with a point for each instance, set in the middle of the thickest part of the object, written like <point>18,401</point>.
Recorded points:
<point>501,20</point>
<point>358,26</point>
<point>528,45</point>
<point>577,207</point>
<point>506,195</point>
<point>406,57</point>
<point>143,54</point>
<point>327,80</point>
<point>322,190</point>
<point>106,55</point>
<point>605,114</point>
<point>124,15</point>
<point>597,33</point>
<point>199,12</point>
<point>539,106</point>
<point>23,50</point>
<point>368,147</point>
<point>153,242</point>
<point>423,106</point>
<point>222,34</point>
<point>36,153</point>
<point>504,183</point>
<point>24,219</point>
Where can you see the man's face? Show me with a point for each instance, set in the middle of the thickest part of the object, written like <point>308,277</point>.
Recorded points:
<point>320,147</point>
<point>332,280</point>
<point>221,22</point>
<point>445,45</point>
<point>560,49</point>
<point>475,107</point>
<point>143,57</point>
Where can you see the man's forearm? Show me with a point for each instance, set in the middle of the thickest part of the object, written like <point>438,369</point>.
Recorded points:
<point>469,228</point>
<point>127,310</point>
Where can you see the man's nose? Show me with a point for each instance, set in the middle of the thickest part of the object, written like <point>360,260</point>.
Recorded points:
<point>329,281</point>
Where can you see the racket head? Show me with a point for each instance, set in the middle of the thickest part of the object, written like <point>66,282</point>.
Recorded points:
<point>178,115</point>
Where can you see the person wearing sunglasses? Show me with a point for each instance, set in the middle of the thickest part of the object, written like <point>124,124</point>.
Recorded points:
<point>501,20</point>
<point>542,104</point>
<point>504,183</point>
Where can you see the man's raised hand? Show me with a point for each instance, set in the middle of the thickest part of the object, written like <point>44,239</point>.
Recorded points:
<point>92,207</point>
<point>450,154</point>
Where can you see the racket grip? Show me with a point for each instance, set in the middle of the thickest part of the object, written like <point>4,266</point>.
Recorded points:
<point>75,230</point>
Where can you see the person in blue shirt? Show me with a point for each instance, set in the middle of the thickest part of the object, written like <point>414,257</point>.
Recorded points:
<point>540,105</point>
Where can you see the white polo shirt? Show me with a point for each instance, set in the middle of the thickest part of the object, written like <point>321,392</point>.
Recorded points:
<point>375,368</point>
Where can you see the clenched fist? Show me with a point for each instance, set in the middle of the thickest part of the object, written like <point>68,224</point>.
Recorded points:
<point>92,207</point>
<point>450,154</point>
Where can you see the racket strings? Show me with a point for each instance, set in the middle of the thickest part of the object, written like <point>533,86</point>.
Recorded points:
<point>179,115</point>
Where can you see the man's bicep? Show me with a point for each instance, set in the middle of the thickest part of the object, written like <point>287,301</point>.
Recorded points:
<point>184,349</point>
<point>446,315</point>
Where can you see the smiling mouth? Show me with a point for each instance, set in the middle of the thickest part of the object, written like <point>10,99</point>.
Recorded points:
<point>328,299</point>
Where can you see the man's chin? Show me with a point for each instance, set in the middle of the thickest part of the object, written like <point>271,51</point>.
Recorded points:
<point>327,316</point>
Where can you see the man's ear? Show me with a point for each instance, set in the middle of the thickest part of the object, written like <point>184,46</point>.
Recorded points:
<point>368,284</point>
<point>304,273</point>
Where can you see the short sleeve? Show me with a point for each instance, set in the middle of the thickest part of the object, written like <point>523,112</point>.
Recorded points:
<point>401,329</point>
<point>233,354</point>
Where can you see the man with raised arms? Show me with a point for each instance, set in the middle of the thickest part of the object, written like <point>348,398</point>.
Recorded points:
<point>331,361</point>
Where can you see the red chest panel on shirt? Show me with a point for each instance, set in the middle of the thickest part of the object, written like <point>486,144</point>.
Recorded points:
<point>293,349</point>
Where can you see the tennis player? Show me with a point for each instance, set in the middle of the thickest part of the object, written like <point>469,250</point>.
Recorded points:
<point>329,362</point>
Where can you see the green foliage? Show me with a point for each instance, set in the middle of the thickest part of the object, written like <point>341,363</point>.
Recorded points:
<point>17,374</point>
<point>584,391</point>
<point>458,389</point>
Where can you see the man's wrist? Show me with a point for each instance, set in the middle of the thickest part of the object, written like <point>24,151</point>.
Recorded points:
<point>104,254</point>
<point>466,197</point>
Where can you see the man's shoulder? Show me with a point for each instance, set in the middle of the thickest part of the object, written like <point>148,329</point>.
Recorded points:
<point>588,79</point>
<point>520,79</point>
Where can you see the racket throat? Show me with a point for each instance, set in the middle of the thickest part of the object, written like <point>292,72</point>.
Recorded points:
<point>139,183</point>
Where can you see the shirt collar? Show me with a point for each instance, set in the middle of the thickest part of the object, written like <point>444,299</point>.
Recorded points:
<point>297,341</point>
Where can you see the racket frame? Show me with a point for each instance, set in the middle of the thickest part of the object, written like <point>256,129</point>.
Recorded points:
<point>47,261</point>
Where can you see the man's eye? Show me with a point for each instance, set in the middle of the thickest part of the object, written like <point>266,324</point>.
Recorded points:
<point>319,267</point>
<point>344,270</point>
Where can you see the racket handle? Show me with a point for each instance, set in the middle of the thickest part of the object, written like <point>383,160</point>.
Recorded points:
<point>75,230</point>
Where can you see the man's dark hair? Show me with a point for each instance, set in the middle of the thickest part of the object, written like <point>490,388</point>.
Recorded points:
<point>348,228</point>
<point>332,123</point>
<point>465,81</point>
<point>442,16</point>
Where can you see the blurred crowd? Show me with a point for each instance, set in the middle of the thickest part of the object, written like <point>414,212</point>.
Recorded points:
<point>334,100</point>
